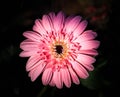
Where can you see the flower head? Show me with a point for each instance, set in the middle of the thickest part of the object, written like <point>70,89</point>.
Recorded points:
<point>60,49</point>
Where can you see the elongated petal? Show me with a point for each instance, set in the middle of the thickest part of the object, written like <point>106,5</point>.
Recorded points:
<point>52,83</point>
<point>80,28</point>
<point>81,71</point>
<point>58,22</point>
<point>48,25</point>
<point>89,52</point>
<point>52,15</point>
<point>66,77</point>
<point>27,53</point>
<point>58,79</point>
<point>32,35</point>
<point>93,44</point>
<point>72,24</point>
<point>74,76</point>
<point>38,27</point>
<point>85,58</point>
<point>87,35</point>
<point>47,75</point>
<point>89,67</point>
<point>32,61</point>
<point>36,70</point>
<point>28,46</point>
<point>86,61</point>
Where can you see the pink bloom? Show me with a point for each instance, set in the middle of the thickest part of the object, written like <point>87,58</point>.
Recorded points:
<point>60,49</point>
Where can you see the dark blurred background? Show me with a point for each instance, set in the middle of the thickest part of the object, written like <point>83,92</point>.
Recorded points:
<point>18,16</point>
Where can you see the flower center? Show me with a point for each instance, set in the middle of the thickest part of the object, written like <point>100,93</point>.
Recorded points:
<point>59,49</point>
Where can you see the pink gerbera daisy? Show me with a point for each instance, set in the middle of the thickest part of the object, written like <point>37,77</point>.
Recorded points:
<point>60,49</point>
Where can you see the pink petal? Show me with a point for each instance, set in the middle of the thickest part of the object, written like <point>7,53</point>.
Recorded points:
<point>28,46</point>
<point>58,22</point>
<point>37,70</point>
<point>85,58</point>
<point>74,76</point>
<point>38,27</point>
<point>92,44</point>
<point>32,61</point>
<point>86,61</point>
<point>52,15</point>
<point>47,23</point>
<point>89,67</point>
<point>81,71</point>
<point>87,35</point>
<point>47,75</point>
<point>32,35</point>
<point>67,20</point>
<point>52,83</point>
<point>80,28</point>
<point>89,52</point>
<point>27,53</point>
<point>58,79</point>
<point>66,77</point>
<point>72,24</point>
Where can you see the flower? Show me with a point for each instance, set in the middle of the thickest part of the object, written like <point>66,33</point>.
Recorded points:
<point>60,49</point>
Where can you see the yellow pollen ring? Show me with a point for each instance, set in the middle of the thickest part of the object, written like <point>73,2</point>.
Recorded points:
<point>64,52</point>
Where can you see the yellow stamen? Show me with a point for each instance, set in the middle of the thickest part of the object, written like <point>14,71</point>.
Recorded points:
<point>63,49</point>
